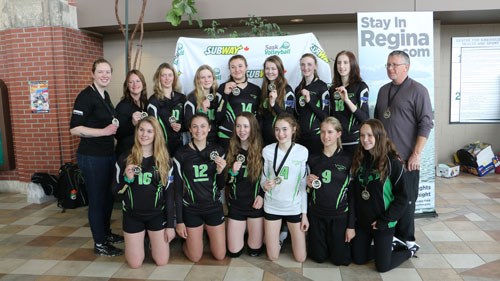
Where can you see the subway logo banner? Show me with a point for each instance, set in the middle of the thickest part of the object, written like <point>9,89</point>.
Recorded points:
<point>412,32</point>
<point>190,53</point>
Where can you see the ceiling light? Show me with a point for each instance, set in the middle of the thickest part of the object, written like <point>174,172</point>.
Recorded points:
<point>296,20</point>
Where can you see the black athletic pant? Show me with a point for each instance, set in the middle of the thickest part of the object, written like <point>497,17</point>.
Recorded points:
<point>327,239</point>
<point>385,258</point>
<point>405,228</point>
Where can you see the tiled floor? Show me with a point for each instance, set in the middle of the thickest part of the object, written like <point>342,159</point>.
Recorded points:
<point>38,242</point>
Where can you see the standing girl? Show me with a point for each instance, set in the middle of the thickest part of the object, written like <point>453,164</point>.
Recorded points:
<point>238,95</point>
<point>144,178</point>
<point>379,198</point>
<point>245,198</point>
<point>199,179</point>
<point>277,97</point>
<point>133,103</point>
<point>284,181</point>
<point>349,96</point>
<point>167,105</point>
<point>330,212</point>
<point>313,103</point>
<point>204,99</point>
<point>95,121</point>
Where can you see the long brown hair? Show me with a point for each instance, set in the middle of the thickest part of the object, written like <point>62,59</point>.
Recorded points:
<point>198,89</point>
<point>158,88</point>
<point>160,153</point>
<point>354,74</point>
<point>254,156</point>
<point>383,148</point>
<point>285,116</point>
<point>280,83</point>
<point>143,99</point>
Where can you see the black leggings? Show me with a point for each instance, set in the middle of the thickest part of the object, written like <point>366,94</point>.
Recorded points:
<point>385,258</point>
<point>327,239</point>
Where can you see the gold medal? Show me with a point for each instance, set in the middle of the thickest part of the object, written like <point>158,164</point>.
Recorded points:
<point>387,113</point>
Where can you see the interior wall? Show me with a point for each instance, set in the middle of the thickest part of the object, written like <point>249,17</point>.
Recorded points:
<point>160,47</point>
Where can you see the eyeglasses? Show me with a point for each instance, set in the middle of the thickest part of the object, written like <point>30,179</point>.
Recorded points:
<point>394,65</point>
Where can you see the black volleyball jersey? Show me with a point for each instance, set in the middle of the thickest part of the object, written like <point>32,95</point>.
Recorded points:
<point>231,105</point>
<point>351,121</point>
<point>331,199</point>
<point>310,115</point>
<point>126,132</point>
<point>145,196</point>
<point>190,110</point>
<point>267,119</point>
<point>243,191</point>
<point>166,109</point>
<point>197,184</point>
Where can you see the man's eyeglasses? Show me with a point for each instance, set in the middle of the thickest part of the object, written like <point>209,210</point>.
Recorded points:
<point>394,65</point>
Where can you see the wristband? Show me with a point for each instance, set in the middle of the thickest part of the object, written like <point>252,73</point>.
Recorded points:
<point>233,173</point>
<point>127,180</point>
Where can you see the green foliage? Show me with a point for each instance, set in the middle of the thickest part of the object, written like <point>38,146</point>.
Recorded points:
<point>180,8</point>
<point>258,27</point>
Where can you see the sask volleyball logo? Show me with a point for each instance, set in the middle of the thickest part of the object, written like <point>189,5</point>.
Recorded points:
<point>275,49</point>
<point>223,50</point>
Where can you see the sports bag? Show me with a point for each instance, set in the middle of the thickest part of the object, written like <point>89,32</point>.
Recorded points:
<point>49,183</point>
<point>72,192</point>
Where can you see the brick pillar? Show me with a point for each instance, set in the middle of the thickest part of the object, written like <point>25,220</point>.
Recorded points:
<point>64,57</point>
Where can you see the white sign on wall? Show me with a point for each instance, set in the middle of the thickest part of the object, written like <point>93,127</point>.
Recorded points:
<point>191,53</point>
<point>412,32</point>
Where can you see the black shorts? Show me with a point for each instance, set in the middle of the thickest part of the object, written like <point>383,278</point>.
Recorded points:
<point>135,223</point>
<point>290,219</point>
<point>212,218</point>
<point>242,215</point>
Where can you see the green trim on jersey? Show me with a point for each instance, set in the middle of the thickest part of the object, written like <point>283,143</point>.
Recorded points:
<point>388,199</point>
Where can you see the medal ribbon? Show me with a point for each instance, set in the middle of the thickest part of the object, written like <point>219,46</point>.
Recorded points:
<point>277,171</point>
<point>108,107</point>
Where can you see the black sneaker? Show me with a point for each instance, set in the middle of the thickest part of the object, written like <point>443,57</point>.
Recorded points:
<point>414,249</point>
<point>114,238</point>
<point>107,250</point>
<point>398,245</point>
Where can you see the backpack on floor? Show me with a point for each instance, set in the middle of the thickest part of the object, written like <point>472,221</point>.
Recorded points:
<point>72,192</point>
<point>49,183</point>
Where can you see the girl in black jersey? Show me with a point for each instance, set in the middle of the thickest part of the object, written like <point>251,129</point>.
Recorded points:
<point>313,103</point>
<point>204,98</point>
<point>198,181</point>
<point>331,228</point>
<point>133,102</point>
<point>245,198</point>
<point>349,98</point>
<point>167,105</point>
<point>379,198</point>
<point>277,97</point>
<point>143,177</point>
<point>238,95</point>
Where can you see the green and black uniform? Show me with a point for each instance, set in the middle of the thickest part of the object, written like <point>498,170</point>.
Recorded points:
<point>164,109</point>
<point>196,182</point>
<point>329,210</point>
<point>310,115</point>
<point>190,110</point>
<point>385,204</point>
<point>351,121</point>
<point>267,118</point>
<point>243,192</point>
<point>146,203</point>
<point>231,106</point>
